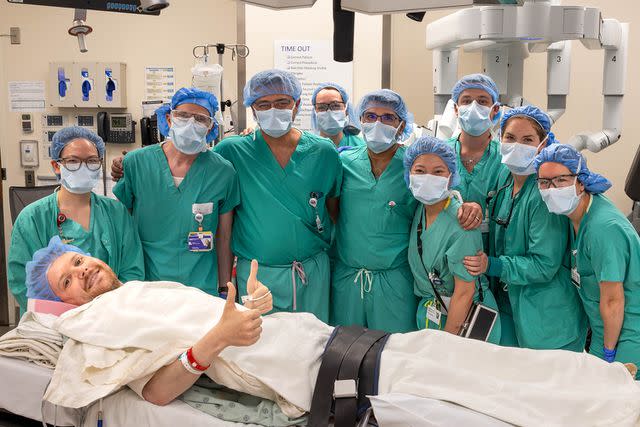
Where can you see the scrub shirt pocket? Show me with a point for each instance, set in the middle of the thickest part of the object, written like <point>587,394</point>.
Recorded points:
<point>397,218</point>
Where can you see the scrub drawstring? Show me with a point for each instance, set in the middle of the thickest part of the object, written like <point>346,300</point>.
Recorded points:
<point>297,268</point>
<point>364,274</point>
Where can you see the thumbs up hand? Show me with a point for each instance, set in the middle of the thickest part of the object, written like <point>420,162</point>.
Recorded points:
<point>260,297</point>
<point>238,328</point>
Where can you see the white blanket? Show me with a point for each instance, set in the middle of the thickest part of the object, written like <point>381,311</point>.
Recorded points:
<point>127,334</point>
<point>33,340</point>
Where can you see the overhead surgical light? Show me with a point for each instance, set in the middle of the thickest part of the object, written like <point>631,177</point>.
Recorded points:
<point>281,4</point>
<point>153,5</point>
<point>375,7</point>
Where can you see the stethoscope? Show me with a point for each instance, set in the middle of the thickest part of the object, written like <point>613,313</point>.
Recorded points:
<point>313,202</point>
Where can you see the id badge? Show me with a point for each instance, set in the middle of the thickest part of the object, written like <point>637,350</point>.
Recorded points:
<point>575,277</point>
<point>433,315</point>
<point>200,241</point>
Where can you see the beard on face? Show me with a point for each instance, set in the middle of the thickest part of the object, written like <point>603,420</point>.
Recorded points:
<point>108,282</point>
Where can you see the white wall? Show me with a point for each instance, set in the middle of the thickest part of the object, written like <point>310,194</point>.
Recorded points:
<point>264,26</point>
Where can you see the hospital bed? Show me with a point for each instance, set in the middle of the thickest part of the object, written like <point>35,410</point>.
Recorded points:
<point>24,383</point>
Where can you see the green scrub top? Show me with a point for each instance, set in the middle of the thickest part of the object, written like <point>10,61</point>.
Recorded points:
<point>445,244</point>
<point>533,252</point>
<point>276,223</point>
<point>372,283</point>
<point>607,249</point>
<point>164,213</point>
<point>351,140</point>
<point>111,237</point>
<point>479,184</point>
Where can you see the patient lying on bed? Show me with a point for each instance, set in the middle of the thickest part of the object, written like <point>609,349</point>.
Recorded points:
<point>133,334</point>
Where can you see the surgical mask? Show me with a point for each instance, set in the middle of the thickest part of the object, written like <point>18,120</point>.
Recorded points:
<point>561,201</point>
<point>474,118</point>
<point>379,137</point>
<point>331,122</point>
<point>81,181</point>
<point>188,136</point>
<point>275,122</point>
<point>429,189</point>
<point>519,157</point>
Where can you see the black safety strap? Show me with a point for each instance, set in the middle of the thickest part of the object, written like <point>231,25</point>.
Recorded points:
<point>332,358</point>
<point>346,408</point>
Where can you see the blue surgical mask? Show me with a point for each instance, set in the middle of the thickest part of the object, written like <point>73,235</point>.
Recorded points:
<point>429,189</point>
<point>188,136</point>
<point>519,157</point>
<point>379,137</point>
<point>275,122</point>
<point>474,118</point>
<point>81,181</point>
<point>332,122</point>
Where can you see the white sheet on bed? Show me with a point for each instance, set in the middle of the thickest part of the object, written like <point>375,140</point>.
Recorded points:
<point>133,331</point>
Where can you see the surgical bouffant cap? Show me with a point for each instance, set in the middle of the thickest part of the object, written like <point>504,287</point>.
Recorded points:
<point>568,156</point>
<point>431,145</point>
<point>67,135</point>
<point>271,82</point>
<point>534,113</point>
<point>351,114</point>
<point>475,81</point>
<point>189,95</point>
<point>388,99</point>
<point>36,269</point>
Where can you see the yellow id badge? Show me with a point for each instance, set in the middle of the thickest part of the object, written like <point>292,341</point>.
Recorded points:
<point>200,241</point>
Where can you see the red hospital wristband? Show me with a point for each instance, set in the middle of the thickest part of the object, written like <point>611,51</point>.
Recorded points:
<point>194,364</point>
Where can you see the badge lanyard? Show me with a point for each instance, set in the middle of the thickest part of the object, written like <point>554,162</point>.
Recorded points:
<point>313,202</point>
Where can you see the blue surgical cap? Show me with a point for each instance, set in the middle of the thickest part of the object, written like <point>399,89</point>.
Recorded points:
<point>431,145</point>
<point>271,82</point>
<point>388,99</point>
<point>189,95</point>
<point>66,135</point>
<point>475,81</point>
<point>533,113</point>
<point>570,157</point>
<point>36,281</point>
<point>351,114</point>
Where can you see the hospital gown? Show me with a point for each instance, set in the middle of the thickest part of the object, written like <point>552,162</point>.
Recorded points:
<point>164,213</point>
<point>371,283</point>
<point>477,185</point>
<point>445,244</point>
<point>607,249</point>
<point>111,237</point>
<point>540,309</point>
<point>276,223</point>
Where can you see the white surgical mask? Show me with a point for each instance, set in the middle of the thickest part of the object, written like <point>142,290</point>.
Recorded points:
<point>332,122</point>
<point>519,157</point>
<point>188,136</point>
<point>474,118</point>
<point>563,200</point>
<point>378,136</point>
<point>275,122</point>
<point>81,181</point>
<point>429,189</point>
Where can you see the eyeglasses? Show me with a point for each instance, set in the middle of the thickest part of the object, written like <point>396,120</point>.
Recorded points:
<point>201,119</point>
<point>556,182</point>
<point>73,164</point>
<point>387,119</point>
<point>280,104</point>
<point>333,106</point>
<point>504,222</point>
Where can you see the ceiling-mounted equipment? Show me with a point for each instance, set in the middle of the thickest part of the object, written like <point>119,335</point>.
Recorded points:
<point>375,7</point>
<point>80,29</point>
<point>139,7</point>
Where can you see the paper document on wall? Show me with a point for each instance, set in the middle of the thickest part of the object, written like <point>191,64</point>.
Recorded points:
<point>26,96</point>
<point>312,63</point>
<point>159,83</point>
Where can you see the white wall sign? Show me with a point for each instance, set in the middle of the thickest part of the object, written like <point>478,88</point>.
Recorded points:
<point>159,83</point>
<point>26,96</point>
<point>312,63</point>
